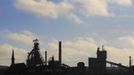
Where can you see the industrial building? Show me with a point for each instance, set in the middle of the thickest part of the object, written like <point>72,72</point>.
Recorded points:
<point>36,65</point>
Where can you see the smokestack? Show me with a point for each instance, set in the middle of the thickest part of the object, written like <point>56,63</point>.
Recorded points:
<point>45,57</point>
<point>12,58</point>
<point>60,52</point>
<point>130,61</point>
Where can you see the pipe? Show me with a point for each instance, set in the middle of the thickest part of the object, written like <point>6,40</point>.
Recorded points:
<point>45,57</point>
<point>60,52</point>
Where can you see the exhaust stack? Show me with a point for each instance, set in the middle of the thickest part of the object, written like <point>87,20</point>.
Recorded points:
<point>45,57</point>
<point>130,61</point>
<point>60,52</point>
<point>12,58</point>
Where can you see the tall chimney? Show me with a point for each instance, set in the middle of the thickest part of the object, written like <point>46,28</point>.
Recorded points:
<point>12,58</point>
<point>60,52</point>
<point>130,61</point>
<point>45,57</point>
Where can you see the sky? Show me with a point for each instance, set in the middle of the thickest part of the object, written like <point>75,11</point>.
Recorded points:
<point>81,25</point>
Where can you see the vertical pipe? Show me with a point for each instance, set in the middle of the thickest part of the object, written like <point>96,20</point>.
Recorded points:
<point>130,61</point>
<point>12,58</point>
<point>45,57</point>
<point>60,53</point>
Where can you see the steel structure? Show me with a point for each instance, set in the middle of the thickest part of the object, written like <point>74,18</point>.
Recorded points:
<point>34,58</point>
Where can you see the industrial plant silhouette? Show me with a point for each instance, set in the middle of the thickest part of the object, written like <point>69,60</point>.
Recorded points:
<point>36,65</point>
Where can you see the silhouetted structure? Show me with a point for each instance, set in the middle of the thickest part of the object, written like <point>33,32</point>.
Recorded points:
<point>97,65</point>
<point>130,61</point>
<point>34,57</point>
<point>13,58</point>
<point>45,57</point>
<point>35,65</point>
<point>60,53</point>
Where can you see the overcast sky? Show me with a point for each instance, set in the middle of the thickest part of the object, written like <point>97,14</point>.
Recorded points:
<point>81,25</point>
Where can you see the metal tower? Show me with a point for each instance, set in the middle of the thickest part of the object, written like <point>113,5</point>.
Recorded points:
<point>34,57</point>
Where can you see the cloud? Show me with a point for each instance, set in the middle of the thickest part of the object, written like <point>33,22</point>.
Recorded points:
<point>129,40</point>
<point>72,10</point>
<point>25,37</point>
<point>48,8</point>
<point>80,49</point>
<point>122,2</point>
<point>74,51</point>
<point>119,55</point>
<point>100,7</point>
<point>6,51</point>
<point>95,8</point>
